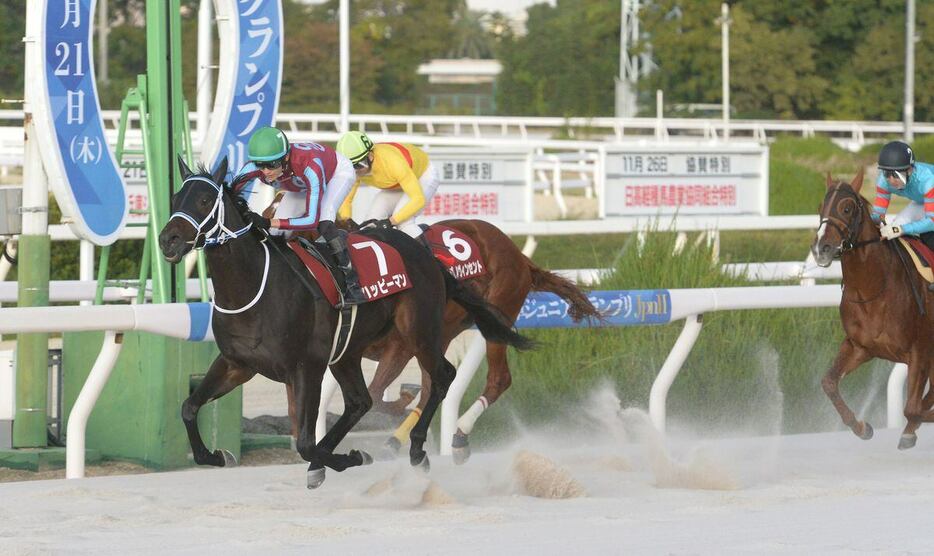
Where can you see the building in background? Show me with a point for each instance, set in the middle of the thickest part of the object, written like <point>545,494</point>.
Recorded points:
<point>459,86</point>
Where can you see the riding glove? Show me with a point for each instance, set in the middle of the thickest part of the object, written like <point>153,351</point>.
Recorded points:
<point>259,221</point>
<point>383,224</point>
<point>891,231</point>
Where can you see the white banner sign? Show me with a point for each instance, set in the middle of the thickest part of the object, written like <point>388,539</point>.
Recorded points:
<point>475,183</point>
<point>670,179</point>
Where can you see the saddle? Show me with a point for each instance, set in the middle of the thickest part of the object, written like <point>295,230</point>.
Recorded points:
<point>921,255</point>
<point>379,267</point>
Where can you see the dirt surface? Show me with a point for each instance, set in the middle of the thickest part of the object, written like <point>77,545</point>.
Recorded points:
<point>253,458</point>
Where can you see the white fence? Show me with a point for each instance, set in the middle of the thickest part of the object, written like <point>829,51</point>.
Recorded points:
<point>189,321</point>
<point>192,321</point>
<point>850,134</point>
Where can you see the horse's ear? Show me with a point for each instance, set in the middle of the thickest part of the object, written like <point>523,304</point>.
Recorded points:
<point>858,180</point>
<point>221,171</point>
<point>183,168</point>
<point>829,181</point>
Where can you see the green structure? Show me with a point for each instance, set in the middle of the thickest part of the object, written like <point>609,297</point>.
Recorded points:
<point>138,414</point>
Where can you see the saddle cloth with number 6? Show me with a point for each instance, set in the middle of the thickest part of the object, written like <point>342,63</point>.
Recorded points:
<point>379,268</point>
<point>456,250</point>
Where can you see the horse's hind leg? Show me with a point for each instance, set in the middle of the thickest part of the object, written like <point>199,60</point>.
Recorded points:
<point>441,380</point>
<point>220,379</point>
<point>848,358</point>
<point>391,362</point>
<point>498,380</point>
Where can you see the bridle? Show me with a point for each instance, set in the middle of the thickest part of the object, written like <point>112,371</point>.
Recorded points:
<point>847,230</point>
<point>219,234</point>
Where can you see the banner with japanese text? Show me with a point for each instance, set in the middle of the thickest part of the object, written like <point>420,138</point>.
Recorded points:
<point>249,80</point>
<point>671,178</point>
<point>83,173</point>
<point>618,308</point>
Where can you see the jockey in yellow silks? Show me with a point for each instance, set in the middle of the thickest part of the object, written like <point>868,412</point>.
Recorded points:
<point>406,179</point>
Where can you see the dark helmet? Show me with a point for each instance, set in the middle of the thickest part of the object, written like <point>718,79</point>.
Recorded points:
<point>896,156</point>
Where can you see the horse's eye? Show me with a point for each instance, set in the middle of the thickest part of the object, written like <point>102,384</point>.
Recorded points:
<point>846,210</point>
<point>204,201</point>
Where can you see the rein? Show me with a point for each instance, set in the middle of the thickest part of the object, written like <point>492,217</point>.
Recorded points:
<point>849,232</point>
<point>219,234</point>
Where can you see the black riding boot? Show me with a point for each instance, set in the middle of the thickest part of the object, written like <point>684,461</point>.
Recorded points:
<point>353,294</point>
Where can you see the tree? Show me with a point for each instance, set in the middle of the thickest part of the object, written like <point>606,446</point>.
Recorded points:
<point>562,66</point>
<point>684,41</point>
<point>791,87</point>
<point>871,85</point>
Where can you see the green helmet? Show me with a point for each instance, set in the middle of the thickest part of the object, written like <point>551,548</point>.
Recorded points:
<point>267,143</point>
<point>355,145</point>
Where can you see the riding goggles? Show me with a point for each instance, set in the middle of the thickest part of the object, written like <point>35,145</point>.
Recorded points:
<point>269,164</point>
<point>900,174</point>
<point>362,164</point>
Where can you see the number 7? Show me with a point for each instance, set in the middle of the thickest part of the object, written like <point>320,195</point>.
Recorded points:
<point>378,251</point>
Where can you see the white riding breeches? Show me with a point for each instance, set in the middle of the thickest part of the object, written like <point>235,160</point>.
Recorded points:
<point>388,201</point>
<point>293,203</point>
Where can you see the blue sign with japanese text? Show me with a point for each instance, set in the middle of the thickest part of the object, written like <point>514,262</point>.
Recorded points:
<point>618,307</point>
<point>90,187</point>
<point>257,78</point>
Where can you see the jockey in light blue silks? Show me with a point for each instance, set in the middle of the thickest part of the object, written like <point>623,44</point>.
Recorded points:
<point>900,174</point>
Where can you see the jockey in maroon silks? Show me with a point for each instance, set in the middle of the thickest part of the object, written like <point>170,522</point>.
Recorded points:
<point>314,180</point>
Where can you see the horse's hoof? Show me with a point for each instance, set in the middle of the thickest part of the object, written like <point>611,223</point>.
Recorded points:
<point>364,457</point>
<point>392,446</point>
<point>460,448</point>
<point>866,434</point>
<point>230,460</point>
<point>907,441</point>
<point>315,477</point>
<point>421,462</point>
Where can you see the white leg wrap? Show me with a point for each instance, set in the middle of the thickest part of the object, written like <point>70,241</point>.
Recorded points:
<point>466,422</point>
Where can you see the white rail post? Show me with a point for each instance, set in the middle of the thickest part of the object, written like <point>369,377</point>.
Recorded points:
<point>895,396</point>
<point>78,419</point>
<point>670,369</point>
<point>450,407</point>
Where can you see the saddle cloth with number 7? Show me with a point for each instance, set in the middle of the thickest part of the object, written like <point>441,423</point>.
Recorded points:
<point>379,268</point>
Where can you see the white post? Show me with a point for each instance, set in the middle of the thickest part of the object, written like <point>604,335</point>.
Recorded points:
<point>450,407</point>
<point>86,265</point>
<point>205,85</point>
<point>659,115</point>
<point>666,376</point>
<point>725,65</point>
<point>344,19</point>
<point>895,396</point>
<point>78,420</point>
<point>909,111</point>
<point>103,29</point>
<point>529,187</point>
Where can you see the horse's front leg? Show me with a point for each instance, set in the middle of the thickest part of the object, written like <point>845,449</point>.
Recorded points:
<point>357,402</point>
<point>848,359</point>
<point>916,407</point>
<point>306,390</point>
<point>391,362</point>
<point>221,378</point>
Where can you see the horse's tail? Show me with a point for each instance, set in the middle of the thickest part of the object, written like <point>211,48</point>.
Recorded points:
<point>492,324</point>
<point>579,307</point>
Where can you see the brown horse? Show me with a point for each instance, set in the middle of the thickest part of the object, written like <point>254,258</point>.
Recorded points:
<point>509,278</point>
<point>881,308</point>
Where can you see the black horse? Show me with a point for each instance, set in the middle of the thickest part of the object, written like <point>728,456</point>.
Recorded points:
<point>270,318</point>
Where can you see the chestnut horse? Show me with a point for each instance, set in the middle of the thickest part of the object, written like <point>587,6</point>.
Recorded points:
<point>881,308</point>
<point>509,278</point>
